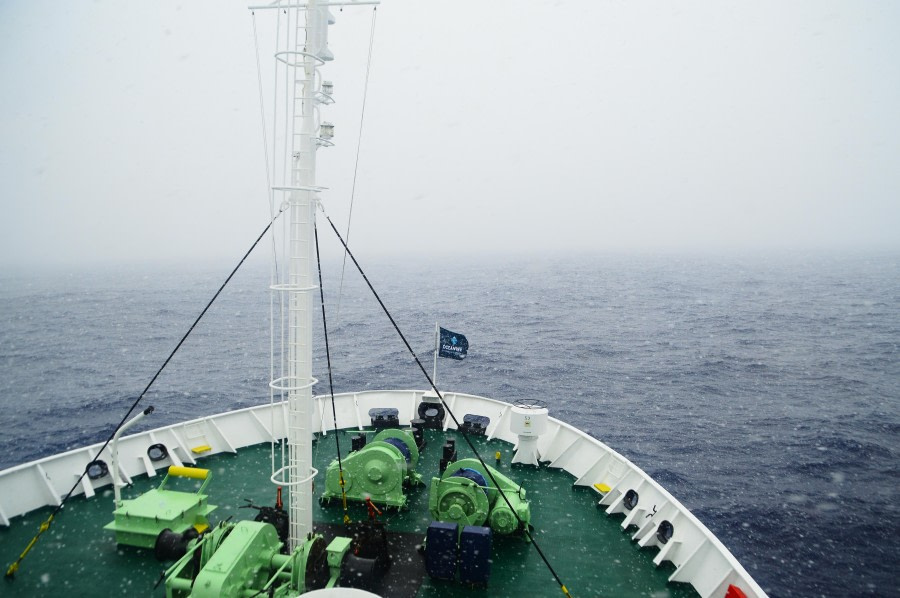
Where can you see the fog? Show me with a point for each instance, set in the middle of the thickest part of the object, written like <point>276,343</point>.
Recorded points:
<point>131,132</point>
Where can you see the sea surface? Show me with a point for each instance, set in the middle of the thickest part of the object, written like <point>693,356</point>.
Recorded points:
<point>762,391</point>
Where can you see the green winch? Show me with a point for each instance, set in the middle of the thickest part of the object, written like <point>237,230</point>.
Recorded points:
<point>139,522</point>
<point>245,559</point>
<point>465,494</point>
<point>377,471</point>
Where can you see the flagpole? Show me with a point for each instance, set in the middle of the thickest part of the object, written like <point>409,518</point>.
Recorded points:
<point>437,335</point>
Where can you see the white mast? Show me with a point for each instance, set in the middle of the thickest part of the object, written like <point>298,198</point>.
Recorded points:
<point>302,212</point>
<point>307,27</point>
<point>296,282</point>
<point>301,254</point>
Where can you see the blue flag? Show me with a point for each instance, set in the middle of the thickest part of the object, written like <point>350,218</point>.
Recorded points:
<point>452,345</point>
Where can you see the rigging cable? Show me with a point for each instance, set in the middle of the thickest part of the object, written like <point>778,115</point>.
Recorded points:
<point>11,571</point>
<point>446,406</point>
<point>337,441</point>
<point>270,193</point>
<point>362,117</point>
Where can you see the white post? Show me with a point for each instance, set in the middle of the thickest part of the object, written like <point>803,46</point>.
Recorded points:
<point>437,339</point>
<point>114,449</point>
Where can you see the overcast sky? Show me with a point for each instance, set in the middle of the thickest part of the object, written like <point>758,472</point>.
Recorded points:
<point>131,130</point>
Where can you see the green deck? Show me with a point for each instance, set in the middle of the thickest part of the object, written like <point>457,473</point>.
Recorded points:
<point>589,550</point>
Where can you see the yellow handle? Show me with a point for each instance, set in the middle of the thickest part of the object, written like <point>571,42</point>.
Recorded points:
<point>15,566</point>
<point>188,472</point>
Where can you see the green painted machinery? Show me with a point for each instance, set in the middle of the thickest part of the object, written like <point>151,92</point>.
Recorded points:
<point>139,522</point>
<point>466,495</point>
<point>378,471</point>
<point>244,559</point>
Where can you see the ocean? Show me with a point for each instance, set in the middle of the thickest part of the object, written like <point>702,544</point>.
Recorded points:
<point>762,391</point>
